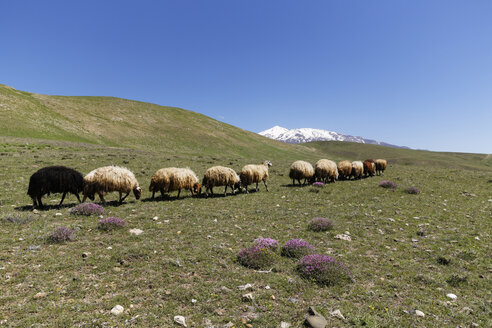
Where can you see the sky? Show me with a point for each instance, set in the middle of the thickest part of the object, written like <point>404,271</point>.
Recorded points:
<point>415,73</point>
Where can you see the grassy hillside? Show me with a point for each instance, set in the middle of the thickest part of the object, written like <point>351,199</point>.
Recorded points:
<point>347,150</point>
<point>126,123</point>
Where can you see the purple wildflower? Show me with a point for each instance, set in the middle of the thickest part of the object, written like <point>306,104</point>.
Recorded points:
<point>87,209</point>
<point>296,248</point>
<point>256,257</point>
<point>270,243</point>
<point>320,224</point>
<point>60,235</point>
<point>318,184</point>
<point>111,223</point>
<point>413,190</point>
<point>387,184</point>
<point>323,269</point>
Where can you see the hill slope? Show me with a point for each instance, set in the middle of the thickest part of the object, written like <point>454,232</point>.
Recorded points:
<point>126,123</point>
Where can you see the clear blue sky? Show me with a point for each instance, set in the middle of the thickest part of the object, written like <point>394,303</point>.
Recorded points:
<point>415,72</point>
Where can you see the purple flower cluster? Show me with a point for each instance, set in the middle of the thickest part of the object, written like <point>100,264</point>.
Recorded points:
<point>296,248</point>
<point>413,190</point>
<point>87,209</point>
<point>320,224</point>
<point>323,269</point>
<point>270,243</point>
<point>60,235</point>
<point>318,184</point>
<point>256,257</point>
<point>387,184</point>
<point>111,223</point>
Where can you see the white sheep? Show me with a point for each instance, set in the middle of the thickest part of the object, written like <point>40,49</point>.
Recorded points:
<point>110,178</point>
<point>174,178</point>
<point>253,173</point>
<point>357,169</point>
<point>326,170</point>
<point>380,165</point>
<point>220,176</point>
<point>301,170</point>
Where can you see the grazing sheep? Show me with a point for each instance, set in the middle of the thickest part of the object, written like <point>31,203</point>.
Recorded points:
<point>220,176</point>
<point>301,170</point>
<point>54,179</point>
<point>380,165</point>
<point>255,173</point>
<point>344,170</point>
<point>174,178</point>
<point>110,178</point>
<point>357,169</point>
<point>326,170</point>
<point>369,167</point>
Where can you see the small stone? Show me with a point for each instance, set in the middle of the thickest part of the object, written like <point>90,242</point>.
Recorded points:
<point>477,238</point>
<point>248,297</point>
<point>337,314</point>
<point>136,231</point>
<point>474,324</point>
<point>343,237</point>
<point>180,320</point>
<point>33,248</point>
<point>58,214</point>
<point>225,289</point>
<point>193,301</point>
<point>451,296</point>
<point>419,313</point>
<point>466,310</point>
<point>267,287</point>
<point>35,211</point>
<point>391,219</point>
<point>40,295</point>
<point>245,287</point>
<point>272,297</point>
<point>117,310</point>
<point>155,218</point>
<point>85,255</point>
<point>314,319</point>
<point>229,325</point>
<point>116,269</point>
<point>109,247</point>
<point>284,324</point>
<point>293,300</point>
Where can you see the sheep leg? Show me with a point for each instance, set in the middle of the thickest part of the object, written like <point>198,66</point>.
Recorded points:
<point>225,190</point>
<point>34,202</point>
<point>63,197</point>
<point>153,194</point>
<point>122,199</point>
<point>84,198</point>
<point>247,189</point>
<point>78,198</point>
<point>257,186</point>
<point>265,185</point>
<point>39,202</point>
<point>179,192</point>
<point>102,198</point>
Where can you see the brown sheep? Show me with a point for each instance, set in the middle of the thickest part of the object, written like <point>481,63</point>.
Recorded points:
<point>110,178</point>
<point>301,170</point>
<point>220,176</point>
<point>254,174</point>
<point>326,170</point>
<point>380,166</point>
<point>174,178</point>
<point>344,169</point>
<point>369,167</point>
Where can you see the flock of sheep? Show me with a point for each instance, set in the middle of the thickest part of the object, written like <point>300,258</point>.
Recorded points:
<point>61,179</point>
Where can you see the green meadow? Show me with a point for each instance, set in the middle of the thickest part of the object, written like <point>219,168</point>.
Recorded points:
<point>406,253</point>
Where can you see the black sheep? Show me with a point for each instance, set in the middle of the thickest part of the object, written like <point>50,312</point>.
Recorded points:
<point>54,179</point>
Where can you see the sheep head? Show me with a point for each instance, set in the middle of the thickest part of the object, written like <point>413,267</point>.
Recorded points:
<point>267,163</point>
<point>137,192</point>
<point>197,188</point>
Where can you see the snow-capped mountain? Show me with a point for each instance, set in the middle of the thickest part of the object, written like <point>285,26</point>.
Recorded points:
<point>307,135</point>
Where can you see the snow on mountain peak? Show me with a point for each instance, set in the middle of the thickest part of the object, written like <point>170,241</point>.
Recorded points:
<point>308,134</point>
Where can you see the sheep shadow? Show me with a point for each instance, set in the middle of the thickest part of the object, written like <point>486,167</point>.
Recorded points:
<point>45,207</point>
<point>167,198</point>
